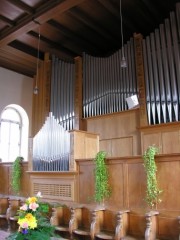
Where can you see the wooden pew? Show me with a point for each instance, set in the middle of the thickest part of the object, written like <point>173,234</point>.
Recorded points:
<point>168,225</point>
<point>114,225</point>
<point>60,218</point>
<point>141,226</point>
<point>85,221</point>
<point>127,225</point>
<point>11,214</point>
<point>4,204</point>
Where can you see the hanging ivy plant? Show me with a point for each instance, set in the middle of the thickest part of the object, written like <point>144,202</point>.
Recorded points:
<point>16,175</point>
<point>152,192</point>
<point>102,188</point>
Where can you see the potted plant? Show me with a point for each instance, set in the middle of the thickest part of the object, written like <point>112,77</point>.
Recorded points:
<point>16,175</point>
<point>152,191</point>
<point>102,187</point>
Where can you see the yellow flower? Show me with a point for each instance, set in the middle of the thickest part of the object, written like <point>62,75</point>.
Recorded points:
<point>29,217</point>
<point>32,200</point>
<point>29,221</point>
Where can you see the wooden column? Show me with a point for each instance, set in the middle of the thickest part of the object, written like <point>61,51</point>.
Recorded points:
<point>78,94</point>
<point>41,101</point>
<point>140,78</point>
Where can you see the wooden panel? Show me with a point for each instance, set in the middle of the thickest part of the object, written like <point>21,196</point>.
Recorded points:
<point>168,228</point>
<point>118,146</point>
<point>91,145</point>
<point>122,147</point>
<point>5,180</point>
<point>54,185</point>
<point>165,136</point>
<point>110,220</point>
<point>105,145</point>
<point>86,182</point>
<point>137,225</point>
<point>78,94</point>
<point>136,185</point>
<point>150,139</point>
<point>86,218</point>
<point>42,99</point>
<point>169,146</point>
<point>116,174</point>
<point>138,38</point>
<point>169,178</point>
<point>83,145</point>
<point>109,127</point>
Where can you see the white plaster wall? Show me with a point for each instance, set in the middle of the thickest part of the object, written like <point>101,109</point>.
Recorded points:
<point>16,88</point>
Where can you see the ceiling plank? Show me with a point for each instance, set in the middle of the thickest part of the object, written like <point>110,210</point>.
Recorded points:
<point>78,14</point>
<point>7,21</point>
<point>24,63</point>
<point>115,11</point>
<point>45,12</point>
<point>22,6</point>
<point>78,40</point>
<point>54,44</point>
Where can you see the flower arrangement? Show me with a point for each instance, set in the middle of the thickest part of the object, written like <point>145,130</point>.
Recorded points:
<point>33,221</point>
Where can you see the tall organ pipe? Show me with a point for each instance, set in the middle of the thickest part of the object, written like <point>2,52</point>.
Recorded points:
<point>162,71</point>
<point>105,84</point>
<point>62,92</point>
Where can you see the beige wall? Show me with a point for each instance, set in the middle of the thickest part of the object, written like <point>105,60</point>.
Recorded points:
<point>16,88</point>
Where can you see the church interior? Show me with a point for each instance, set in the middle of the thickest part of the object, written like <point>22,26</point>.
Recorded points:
<point>93,76</point>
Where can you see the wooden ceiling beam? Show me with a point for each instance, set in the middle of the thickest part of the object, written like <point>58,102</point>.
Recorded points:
<point>153,9</point>
<point>58,46</point>
<point>78,14</point>
<point>15,53</point>
<point>42,14</point>
<point>22,6</point>
<point>26,49</point>
<point>7,21</point>
<point>23,65</point>
<point>78,40</point>
<point>115,11</point>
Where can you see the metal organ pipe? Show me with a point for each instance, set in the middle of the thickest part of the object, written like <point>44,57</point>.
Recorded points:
<point>62,92</point>
<point>51,147</point>
<point>106,84</point>
<point>161,53</point>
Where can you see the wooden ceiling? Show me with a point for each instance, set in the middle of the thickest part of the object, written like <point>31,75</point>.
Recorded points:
<point>70,27</point>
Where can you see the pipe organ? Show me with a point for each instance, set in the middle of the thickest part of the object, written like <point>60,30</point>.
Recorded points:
<point>162,71</point>
<point>62,92</point>
<point>105,84</point>
<point>51,147</point>
<point>105,88</point>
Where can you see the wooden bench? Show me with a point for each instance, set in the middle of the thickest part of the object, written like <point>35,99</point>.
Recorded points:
<point>114,225</point>
<point>128,225</point>
<point>11,214</point>
<point>141,226</point>
<point>85,221</point>
<point>4,204</point>
<point>60,218</point>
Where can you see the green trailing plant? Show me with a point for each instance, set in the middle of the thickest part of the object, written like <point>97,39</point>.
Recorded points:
<point>16,175</point>
<point>152,192</point>
<point>102,187</point>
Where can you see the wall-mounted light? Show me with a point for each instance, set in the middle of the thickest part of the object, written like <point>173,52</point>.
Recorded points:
<point>36,89</point>
<point>123,60</point>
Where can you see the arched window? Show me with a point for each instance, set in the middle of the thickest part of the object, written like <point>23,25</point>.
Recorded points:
<point>14,126</point>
